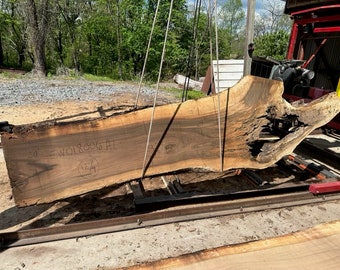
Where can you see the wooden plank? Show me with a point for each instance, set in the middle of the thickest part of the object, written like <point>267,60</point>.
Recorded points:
<point>206,87</point>
<point>315,248</point>
<point>50,162</point>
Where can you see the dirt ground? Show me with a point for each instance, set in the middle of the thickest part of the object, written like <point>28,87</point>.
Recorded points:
<point>128,248</point>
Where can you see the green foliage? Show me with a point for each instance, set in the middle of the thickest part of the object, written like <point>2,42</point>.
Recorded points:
<point>10,75</point>
<point>12,35</point>
<point>191,94</point>
<point>232,20</point>
<point>94,78</point>
<point>272,44</point>
<point>194,94</point>
<point>109,38</point>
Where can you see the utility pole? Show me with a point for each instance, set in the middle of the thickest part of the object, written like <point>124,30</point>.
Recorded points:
<point>249,35</point>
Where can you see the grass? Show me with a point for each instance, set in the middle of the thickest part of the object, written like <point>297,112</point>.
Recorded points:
<point>95,78</point>
<point>10,75</point>
<point>191,94</point>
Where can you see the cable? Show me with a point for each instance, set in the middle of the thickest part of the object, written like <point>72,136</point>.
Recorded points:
<point>210,46</point>
<point>218,89</point>
<point>198,4</point>
<point>147,53</point>
<point>157,89</point>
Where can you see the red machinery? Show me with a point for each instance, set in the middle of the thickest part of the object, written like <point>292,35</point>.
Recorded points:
<point>314,45</point>
<point>315,38</point>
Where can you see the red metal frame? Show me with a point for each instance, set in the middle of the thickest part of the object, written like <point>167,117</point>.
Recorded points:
<point>292,41</point>
<point>331,18</point>
<point>303,21</point>
<point>314,9</point>
<point>331,29</point>
<point>320,24</point>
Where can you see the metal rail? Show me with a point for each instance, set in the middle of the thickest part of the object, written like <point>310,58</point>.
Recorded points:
<point>184,207</point>
<point>176,214</point>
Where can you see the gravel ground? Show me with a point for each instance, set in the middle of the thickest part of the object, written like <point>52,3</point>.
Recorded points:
<point>25,100</point>
<point>33,91</point>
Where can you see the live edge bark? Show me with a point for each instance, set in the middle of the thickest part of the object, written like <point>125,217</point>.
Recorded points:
<point>50,162</point>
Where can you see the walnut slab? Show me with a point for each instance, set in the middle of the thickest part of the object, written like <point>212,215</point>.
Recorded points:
<point>50,162</point>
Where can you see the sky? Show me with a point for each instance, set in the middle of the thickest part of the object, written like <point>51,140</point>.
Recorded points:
<point>261,4</point>
<point>258,4</point>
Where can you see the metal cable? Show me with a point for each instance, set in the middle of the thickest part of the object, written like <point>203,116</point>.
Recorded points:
<point>218,89</point>
<point>147,53</point>
<point>157,89</point>
<point>210,44</point>
<point>198,4</point>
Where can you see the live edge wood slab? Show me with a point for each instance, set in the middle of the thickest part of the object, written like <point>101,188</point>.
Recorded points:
<point>313,249</point>
<point>48,162</point>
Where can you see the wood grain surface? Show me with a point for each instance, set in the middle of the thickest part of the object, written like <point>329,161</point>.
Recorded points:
<point>313,249</point>
<point>47,162</point>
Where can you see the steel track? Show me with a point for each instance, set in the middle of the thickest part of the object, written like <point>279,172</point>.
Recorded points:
<point>176,214</point>
<point>190,208</point>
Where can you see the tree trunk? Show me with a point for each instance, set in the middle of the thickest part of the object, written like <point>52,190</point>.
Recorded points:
<point>38,27</point>
<point>119,41</point>
<point>1,53</point>
<point>189,83</point>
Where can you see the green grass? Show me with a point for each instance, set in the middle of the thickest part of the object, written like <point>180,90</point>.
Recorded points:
<point>191,94</point>
<point>195,94</point>
<point>95,78</point>
<point>10,75</point>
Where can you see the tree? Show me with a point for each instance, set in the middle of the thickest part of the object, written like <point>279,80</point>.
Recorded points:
<point>2,28</point>
<point>272,31</point>
<point>38,20</point>
<point>71,19</point>
<point>109,37</point>
<point>201,45</point>
<point>102,28</point>
<point>272,44</point>
<point>232,19</point>
<point>272,19</point>
<point>13,43</point>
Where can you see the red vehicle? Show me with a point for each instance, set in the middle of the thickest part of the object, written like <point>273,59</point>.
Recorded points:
<point>314,45</point>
